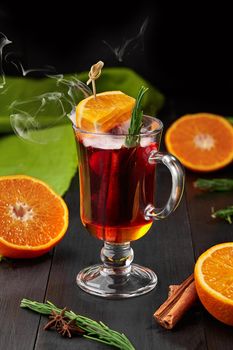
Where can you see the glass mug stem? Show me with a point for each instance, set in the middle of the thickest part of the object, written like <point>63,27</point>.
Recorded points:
<point>116,259</point>
<point>117,277</point>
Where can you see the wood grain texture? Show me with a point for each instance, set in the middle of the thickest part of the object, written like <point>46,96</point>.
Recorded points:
<point>170,248</point>
<point>206,231</point>
<point>167,249</point>
<point>18,280</point>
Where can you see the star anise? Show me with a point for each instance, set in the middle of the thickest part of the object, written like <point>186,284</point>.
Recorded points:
<point>67,329</point>
<point>56,319</point>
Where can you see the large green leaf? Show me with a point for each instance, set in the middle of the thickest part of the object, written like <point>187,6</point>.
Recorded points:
<point>54,162</point>
<point>23,89</point>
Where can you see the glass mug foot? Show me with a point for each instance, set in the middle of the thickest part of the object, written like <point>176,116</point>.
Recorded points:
<point>116,278</point>
<point>139,281</point>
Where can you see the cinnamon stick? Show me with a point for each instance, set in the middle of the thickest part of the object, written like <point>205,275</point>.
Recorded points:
<point>172,288</point>
<point>181,298</point>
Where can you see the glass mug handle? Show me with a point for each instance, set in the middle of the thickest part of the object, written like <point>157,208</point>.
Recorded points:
<point>177,173</point>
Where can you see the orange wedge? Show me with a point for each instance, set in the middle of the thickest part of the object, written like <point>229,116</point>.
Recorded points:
<point>104,112</point>
<point>33,218</point>
<point>214,281</point>
<point>202,141</point>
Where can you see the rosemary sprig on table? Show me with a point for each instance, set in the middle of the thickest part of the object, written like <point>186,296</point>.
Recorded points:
<point>212,185</point>
<point>225,213</point>
<point>136,120</point>
<point>97,331</point>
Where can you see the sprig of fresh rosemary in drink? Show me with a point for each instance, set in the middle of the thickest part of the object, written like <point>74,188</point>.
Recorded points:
<point>133,137</point>
<point>225,213</point>
<point>219,185</point>
<point>97,331</point>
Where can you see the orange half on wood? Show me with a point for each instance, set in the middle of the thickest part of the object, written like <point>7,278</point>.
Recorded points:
<point>33,218</point>
<point>202,141</point>
<point>214,281</point>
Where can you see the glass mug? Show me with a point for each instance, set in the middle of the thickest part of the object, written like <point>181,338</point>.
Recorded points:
<point>117,192</point>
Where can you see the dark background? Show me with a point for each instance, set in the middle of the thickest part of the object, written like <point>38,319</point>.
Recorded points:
<point>188,55</point>
<point>187,49</point>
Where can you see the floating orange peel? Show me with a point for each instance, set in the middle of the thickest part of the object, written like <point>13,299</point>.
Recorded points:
<point>104,112</point>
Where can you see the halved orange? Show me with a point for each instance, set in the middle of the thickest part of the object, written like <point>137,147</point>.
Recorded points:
<point>201,141</point>
<point>33,218</point>
<point>104,112</point>
<point>214,281</point>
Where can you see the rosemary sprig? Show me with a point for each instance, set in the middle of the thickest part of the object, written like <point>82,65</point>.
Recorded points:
<point>136,120</point>
<point>225,213</point>
<point>220,185</point>
<point>97,331</point>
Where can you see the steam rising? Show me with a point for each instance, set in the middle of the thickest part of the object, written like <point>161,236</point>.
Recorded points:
<point>52,108</point>
<point>9,58</point>
<point>47,110</point>
<point>33,114</point>
<point>130,44</point>
<point>74,86</point>
<point>3,42</point>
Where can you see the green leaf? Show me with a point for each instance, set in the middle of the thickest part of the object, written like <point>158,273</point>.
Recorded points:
<point>124,79</point>
<point>54,162</point>
<point>129,82</point>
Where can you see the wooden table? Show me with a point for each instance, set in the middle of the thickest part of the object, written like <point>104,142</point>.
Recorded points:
<point>170,248</point>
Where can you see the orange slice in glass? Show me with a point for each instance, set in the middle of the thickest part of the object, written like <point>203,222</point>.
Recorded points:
<point>202,141</point>
<point>104,112</point>
<point>33,218</point>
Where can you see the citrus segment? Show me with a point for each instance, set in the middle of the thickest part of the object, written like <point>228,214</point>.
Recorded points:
<point>214,281</point>
<point>104,112</point>
<point>33,218</point>
<point>202,141</point>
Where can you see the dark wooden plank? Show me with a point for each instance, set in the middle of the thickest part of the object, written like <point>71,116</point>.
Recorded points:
<point>206,231</point>
<point>167,249</point>
<point>21,279</point>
